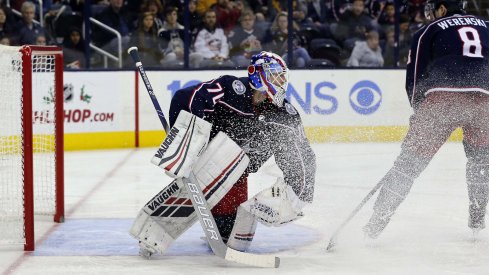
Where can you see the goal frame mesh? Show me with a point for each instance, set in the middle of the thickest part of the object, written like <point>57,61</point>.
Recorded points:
<point>30,56</point>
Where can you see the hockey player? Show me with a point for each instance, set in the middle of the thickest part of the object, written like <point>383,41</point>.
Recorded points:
<point>253,112</point>
<point>447,86</point>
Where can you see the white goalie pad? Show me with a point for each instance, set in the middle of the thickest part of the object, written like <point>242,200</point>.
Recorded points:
<point>221,165</point>
<point>170,213</point>
<point>183,145</point>
<point>243,230</point>
<point>276,205</point>
<point>155,235</point>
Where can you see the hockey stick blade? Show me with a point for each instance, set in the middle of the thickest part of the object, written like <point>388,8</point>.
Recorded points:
<point>214,238</point>
<point>331,245</point>
<point>252,259</point>
<point>332,240</point>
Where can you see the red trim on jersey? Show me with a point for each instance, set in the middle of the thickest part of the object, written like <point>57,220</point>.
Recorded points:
<point>196,90</point>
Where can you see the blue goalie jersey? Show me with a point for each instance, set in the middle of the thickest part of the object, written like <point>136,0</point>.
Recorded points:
<point>449,55</point>
<point>263,130</point>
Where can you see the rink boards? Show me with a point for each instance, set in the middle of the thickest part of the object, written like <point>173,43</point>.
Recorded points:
<point>111,109</point>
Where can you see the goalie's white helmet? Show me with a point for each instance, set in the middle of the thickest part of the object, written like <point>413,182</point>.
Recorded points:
<point>269,74</point>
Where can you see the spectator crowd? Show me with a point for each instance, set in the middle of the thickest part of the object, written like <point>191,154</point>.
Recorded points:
<point>221,33</point>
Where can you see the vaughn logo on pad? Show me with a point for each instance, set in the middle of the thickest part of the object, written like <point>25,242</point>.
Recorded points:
<point>166,143</point>
<point>184,143</point>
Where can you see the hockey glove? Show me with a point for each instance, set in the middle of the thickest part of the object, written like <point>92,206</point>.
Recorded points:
<point>277,205</point>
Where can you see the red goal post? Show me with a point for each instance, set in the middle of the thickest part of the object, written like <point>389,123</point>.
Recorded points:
<point>31,140</point>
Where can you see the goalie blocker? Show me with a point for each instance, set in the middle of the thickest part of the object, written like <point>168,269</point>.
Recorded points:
<point>183,145</point>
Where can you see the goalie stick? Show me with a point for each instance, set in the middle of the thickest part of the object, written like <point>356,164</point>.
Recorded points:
<point>199,202</point>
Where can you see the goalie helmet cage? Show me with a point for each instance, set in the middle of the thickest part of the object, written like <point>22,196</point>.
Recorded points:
<point>31,140</point>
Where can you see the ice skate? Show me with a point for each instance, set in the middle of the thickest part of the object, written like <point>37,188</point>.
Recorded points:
<point>376,225</point>
<point>476,219</point>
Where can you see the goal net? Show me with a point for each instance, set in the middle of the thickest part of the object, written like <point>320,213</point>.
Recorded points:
<point>31,140</point>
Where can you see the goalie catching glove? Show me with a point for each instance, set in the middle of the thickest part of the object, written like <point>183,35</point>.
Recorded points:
<point>183,145</point>
<point>276,205</point>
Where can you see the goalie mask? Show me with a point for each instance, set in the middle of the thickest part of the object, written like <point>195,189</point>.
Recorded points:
<point>452,6</point>
<point>269,74</point>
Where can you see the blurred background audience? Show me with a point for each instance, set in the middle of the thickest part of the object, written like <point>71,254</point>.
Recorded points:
<point>221,33</point>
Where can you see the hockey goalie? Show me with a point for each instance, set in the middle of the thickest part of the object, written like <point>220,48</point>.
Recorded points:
<point>222,130</point>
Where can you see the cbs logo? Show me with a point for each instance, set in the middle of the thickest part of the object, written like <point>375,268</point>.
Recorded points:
<point>365,97</point>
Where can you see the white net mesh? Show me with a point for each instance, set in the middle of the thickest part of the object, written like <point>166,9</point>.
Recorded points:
<point>11,178</point>
<point>11,140</point>
<point>44,138</point>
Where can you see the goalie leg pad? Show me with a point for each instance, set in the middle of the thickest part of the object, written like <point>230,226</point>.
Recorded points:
<point>163,219</point>
<point>243,230</point>
<point>171,201</point>
<point>170,213</point>
<point>219,167</point>
<point>183,145</point>
<point>151,234</point>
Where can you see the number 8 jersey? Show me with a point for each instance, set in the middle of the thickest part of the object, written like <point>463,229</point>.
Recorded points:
<point>449,55</point>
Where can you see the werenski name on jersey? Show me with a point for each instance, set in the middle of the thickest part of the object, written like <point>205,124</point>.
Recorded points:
<point>462,21</point>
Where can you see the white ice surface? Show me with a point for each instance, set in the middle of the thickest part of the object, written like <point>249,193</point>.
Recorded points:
<point>105,190</point>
